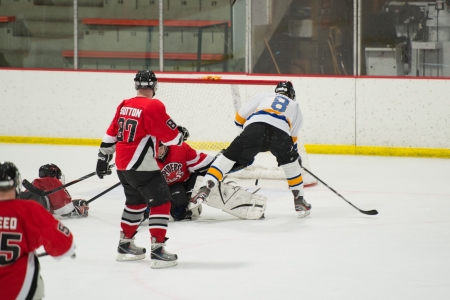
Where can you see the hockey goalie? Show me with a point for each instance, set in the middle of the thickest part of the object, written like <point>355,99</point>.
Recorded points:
<point>235,200</point>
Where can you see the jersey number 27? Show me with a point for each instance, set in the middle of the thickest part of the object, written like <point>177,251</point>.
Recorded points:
<point>128,125</point>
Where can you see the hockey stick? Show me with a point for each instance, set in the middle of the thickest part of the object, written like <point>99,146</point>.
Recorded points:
<point>367,212</point>
<point>104,192</point>
<point>42,254</point>
<point>42,193</point>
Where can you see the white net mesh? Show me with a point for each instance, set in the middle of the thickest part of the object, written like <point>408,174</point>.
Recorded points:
<point>207,109</point>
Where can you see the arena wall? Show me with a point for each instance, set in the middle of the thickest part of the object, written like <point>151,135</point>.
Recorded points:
<point>385,116</point>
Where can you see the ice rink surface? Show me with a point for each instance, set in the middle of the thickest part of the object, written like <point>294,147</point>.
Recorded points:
<point>335,253</point>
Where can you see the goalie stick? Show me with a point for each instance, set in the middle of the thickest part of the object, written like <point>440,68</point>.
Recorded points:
<point>367,212</point>
<point>42,193</point>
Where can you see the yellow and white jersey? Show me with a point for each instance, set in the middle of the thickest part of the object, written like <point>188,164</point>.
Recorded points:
<point>274,109</point>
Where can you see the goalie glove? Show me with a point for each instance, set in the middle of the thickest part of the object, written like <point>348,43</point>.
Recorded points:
<point>103,165</point>
<point>81,209</point>
<point>184,133</point>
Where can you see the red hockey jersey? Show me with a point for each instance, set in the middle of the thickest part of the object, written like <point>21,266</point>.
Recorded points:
<point>24,227</point>
<point>180,162</point>
<point>60,201</point>
<point>137,126</point>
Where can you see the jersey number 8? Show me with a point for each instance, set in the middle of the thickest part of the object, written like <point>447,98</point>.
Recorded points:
<point>280,103</point>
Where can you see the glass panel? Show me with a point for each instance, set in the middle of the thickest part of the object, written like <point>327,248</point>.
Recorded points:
<point>302,37</point>
<point>405,38</point>
<point>198,35</point>
<point>117,35</point>
<point>34,33</point>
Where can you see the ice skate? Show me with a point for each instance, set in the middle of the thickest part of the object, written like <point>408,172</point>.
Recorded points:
<point>302,207</point>
<point>160,258</point>
<point>201,195</point>
<point>128,251</point>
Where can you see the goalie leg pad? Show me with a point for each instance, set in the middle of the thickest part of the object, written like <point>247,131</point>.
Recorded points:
<point>235,201</point>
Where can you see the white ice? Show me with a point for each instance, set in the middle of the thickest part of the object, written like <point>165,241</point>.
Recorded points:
<point>335,253</point>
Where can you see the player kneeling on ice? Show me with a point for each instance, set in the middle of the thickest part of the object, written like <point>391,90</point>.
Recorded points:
<point>181,166</point>
<point>59,203</point>
<point>270,122</point>
<point>24,227</point>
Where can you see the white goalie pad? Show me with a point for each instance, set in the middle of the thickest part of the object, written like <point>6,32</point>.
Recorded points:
<point>234,200</point>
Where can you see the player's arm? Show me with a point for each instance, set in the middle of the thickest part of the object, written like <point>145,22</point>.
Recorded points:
<point>296,126</point>
<point>161,125</point>
<point>108,146</point>
<point>197,162</point>
<point>56,238</point>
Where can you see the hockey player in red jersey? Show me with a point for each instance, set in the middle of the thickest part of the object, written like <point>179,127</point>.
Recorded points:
<point>59,203</point>
<point>138,126</point>
<point>24,227</point>
<point>180,167</point>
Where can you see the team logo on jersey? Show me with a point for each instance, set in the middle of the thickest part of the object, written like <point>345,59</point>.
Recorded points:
<point>172,172</point>
<point>171,124</point>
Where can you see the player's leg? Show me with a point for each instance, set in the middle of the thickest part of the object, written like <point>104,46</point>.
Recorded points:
<point>135,206</point>
<point>242,150</point>
<point>287,157</point>
<point>180,201</point>
<point>153,187</point>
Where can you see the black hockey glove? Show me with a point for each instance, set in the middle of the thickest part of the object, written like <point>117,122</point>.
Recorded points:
<point>103,165</point>
<point>184,132</point>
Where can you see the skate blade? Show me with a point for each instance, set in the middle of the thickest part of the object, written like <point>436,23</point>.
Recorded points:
<point>160,264</point>
<point>129,257</point>
<point>302,213</point>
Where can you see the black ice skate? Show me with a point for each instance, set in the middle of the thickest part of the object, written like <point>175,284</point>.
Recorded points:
<point>201,195</point>
<point>302,207</point>
<point>160,257</point>
<point>128,251</point>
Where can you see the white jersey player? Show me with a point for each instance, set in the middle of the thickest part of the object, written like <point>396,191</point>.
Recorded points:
<point>270,122</point>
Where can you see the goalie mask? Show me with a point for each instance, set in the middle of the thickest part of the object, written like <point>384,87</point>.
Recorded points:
<point>51,170</point>
<point>162,152</point>
<point>285,88</point>
<point>146,79</point>
<point>9,177</point>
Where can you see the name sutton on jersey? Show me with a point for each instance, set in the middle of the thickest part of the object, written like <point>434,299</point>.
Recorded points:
<point>130,111</point>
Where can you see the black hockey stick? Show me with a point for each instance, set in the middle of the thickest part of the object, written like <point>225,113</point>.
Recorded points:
<point>42,254</point>
<point>42,193</point>
<point>367,212</point>
<point>104,192</point>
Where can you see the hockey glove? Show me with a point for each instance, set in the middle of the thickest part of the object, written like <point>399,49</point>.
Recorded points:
<point>103,165</point>
<point>81,208</point>
<point>184,133</point>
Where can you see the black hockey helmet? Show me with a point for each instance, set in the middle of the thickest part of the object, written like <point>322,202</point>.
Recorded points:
<point>146,79</point>
<point>163,150</point>
<point>285,88</point>
<point>51,170</point>
<point>9,177</point>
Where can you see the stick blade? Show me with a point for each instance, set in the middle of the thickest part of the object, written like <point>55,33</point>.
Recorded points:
<point>369,212</point>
